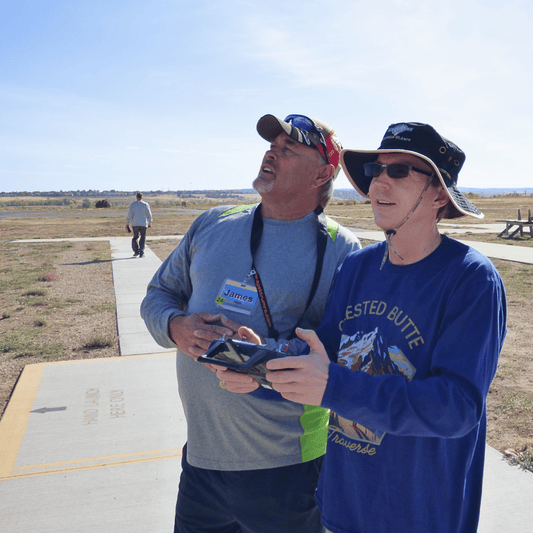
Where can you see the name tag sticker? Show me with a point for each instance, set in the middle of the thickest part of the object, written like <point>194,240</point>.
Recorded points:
<point>237,296</point>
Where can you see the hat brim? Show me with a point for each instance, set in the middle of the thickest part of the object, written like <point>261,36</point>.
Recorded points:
<point>352,162</point>
<point>269,127</point>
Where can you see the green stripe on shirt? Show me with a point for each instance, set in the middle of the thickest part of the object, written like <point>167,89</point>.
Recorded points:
<point>315,422</point>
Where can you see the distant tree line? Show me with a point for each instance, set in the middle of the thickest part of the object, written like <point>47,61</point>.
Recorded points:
<point>65,198</point>
<point>38,203</point>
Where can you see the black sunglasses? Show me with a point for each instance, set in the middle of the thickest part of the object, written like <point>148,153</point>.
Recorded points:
<point>395,170</point>
<point>315,137</point>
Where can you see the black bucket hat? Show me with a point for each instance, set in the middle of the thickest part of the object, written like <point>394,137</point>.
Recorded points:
<point>423,141</point>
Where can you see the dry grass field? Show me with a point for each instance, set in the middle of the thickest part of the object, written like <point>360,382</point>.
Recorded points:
<point>49,221</point>
<point>57,299</point>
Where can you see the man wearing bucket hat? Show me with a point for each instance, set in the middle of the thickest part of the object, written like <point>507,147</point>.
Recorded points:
<point>406,351</point>
<point>249,464</point>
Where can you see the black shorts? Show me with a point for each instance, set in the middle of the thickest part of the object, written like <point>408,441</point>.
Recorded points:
<point>274,500</point>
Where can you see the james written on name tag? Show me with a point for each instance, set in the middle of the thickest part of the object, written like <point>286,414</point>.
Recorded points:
<point>237,296</point>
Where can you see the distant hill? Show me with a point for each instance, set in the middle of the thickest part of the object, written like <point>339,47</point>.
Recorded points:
<point>344,194</point>
<point>351,194</point>
<point>497,192</point>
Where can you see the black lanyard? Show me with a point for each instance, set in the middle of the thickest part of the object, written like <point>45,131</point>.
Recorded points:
<point>255,239</point>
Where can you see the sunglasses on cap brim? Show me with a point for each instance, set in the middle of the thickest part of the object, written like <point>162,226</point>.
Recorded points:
<point>312,134</point>
<point>394,170</point>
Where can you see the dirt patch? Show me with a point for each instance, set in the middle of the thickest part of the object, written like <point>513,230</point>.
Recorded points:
<point>58,304</point>
<point>510,399</point>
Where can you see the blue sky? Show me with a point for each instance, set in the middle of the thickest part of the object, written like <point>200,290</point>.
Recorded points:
<point>166,94</point>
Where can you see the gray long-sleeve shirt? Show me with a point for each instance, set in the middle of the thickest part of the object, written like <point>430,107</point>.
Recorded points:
<point>229,431</point>
<point>139,214</point>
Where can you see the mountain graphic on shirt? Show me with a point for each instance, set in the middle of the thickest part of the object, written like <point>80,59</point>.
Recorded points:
<point>370,353</point>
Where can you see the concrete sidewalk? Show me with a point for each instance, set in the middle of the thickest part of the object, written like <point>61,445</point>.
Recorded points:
<point>131,276</point>
<point>520,254</point>
<point>92,446</point>
<point>95,445</point>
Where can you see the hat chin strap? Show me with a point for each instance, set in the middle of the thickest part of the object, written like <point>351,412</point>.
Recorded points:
<point>391,232</point>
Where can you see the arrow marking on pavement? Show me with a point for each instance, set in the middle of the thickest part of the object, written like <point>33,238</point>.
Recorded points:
<point>48,409</point>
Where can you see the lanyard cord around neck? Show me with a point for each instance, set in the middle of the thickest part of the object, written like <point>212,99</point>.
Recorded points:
<point>255,239</point>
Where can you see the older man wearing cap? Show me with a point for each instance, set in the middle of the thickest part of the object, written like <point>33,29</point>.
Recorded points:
<point>406,351</point>
<point>249,464</point>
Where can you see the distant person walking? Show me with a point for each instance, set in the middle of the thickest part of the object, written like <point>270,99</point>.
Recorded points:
<point>140,217</point>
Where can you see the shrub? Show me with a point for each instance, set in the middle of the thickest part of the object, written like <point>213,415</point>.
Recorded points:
<point>35,292</point>
<point>97,342</point>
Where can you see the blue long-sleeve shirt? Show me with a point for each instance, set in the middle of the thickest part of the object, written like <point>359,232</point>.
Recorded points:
<point>414,350</point>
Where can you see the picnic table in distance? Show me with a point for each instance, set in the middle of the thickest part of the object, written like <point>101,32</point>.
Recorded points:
<point>509,224</point>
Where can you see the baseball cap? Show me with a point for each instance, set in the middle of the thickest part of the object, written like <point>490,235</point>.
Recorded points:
<point>308,131</point>
<point>423,141</point>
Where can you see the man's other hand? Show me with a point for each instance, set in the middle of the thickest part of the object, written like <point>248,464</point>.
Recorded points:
<point>193,333</point>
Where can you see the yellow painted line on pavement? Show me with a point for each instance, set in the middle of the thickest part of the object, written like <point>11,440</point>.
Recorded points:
<point>172,451</point>
<point>121,358</point>
<point>95,462</point>
<point>15,419</point>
